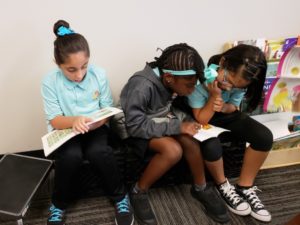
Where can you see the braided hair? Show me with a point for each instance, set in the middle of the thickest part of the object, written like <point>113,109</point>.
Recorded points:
<point>252,63</point>
<point>180,57</point>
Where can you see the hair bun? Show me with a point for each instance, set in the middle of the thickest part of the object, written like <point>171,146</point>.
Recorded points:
<point>58,24</point>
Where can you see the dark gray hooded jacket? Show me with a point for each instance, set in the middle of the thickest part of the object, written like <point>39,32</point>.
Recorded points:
<point>146,103</point>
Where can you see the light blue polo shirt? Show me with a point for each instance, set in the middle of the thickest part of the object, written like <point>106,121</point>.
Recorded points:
<point>63,97</point>
<point>200,95</point>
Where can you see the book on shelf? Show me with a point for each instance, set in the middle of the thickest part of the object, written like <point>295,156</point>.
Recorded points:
<point>261,43</point>
<point>285,127</point>
<point>56,138</point>
<point>274,49</point>
<point>284,92</point>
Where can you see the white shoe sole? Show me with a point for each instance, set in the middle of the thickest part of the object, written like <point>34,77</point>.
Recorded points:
<point>130,224</point>
<point>261,217</point>
<point>239,212</point>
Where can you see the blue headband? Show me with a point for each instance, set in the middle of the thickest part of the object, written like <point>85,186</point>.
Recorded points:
<point>62,31</point>
<point>180,72</point>
<point>210,73</point>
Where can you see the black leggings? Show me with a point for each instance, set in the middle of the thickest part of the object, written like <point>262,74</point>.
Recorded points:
<point>93,147</point>
<point>243,128</point>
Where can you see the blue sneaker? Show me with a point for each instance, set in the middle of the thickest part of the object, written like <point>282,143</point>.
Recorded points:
<point>124,215</point>
<point>57,216</point>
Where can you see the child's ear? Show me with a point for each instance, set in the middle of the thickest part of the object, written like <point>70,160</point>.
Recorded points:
<point>168,77</point>
<point>221,63</point>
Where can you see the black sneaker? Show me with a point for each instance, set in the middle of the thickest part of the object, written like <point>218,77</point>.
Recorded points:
<point>233,200</point>
<point>56,217</point>
<point>124,215</point>
<point>142,208</point>
<point>258,210</point>
<point>213,204</point>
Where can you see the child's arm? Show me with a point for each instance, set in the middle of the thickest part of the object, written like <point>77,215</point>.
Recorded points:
<point>77,123</point>
<point>98,124</point>
<point>106,98</point>
<point>190,128</point>
<point>135,100</point>
<point>228,108</point>
<point>234,102</point>
<point>214,104</point>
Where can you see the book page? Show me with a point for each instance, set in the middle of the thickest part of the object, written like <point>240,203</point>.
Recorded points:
<point>278,123</point>
<point>279,128</point>
<point>56,138</point>
<point>208,132</point>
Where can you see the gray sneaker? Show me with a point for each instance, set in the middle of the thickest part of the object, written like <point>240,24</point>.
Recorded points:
<point>142,208</point>
<point>213,204</point>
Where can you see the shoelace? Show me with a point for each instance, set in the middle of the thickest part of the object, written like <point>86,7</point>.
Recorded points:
<point>123,206</point>
<point>230,193</point>
<point>253,198</point>
<point>56,214</point>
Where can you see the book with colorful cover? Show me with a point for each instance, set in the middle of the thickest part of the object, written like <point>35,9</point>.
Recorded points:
<point>272,69</point>
<point>284,93</point>
<point>274,49</point>
<point>261,43</point>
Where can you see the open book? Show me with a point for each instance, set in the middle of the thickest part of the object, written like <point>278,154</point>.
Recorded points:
<point>208,131</point>
<point>280,124</point>
<point>286,131</point>
<point>56,138</point>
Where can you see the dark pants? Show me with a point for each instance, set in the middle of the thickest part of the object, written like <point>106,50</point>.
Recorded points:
<point>93,147</point>
<point>243,128</point>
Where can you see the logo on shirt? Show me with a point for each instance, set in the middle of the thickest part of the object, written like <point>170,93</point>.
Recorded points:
<point>96,95</point>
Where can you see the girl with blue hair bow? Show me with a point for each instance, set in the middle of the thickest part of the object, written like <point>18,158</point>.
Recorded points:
<point>236,74</point>
<point>71,93</point>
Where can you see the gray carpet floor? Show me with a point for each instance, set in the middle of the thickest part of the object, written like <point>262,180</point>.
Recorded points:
<point>175,206</point>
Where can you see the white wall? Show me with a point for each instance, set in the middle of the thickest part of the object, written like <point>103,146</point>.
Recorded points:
<point>123,35</point>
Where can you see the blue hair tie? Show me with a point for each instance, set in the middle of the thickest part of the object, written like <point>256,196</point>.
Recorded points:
<point>62,31</point>
<point>180,72</point>
<point>210,73</point>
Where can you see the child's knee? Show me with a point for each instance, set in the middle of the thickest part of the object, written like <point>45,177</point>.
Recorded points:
<point>212,155</point>
<point>263,141</point>
<point>173,152</point>
<point>211,150</point>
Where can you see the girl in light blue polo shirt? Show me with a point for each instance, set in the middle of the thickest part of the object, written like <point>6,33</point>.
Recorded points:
<point>71,93</point>
<point>237,73</point>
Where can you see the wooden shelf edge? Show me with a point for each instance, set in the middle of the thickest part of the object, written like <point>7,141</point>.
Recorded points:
<point>282,157</point>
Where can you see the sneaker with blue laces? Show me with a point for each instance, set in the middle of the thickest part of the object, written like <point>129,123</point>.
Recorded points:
<point>124,215</point>
<point>57,216</point>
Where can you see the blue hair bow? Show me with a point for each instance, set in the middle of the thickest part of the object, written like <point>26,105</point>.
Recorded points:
<point>62,31</point>
<point>210,73</point>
